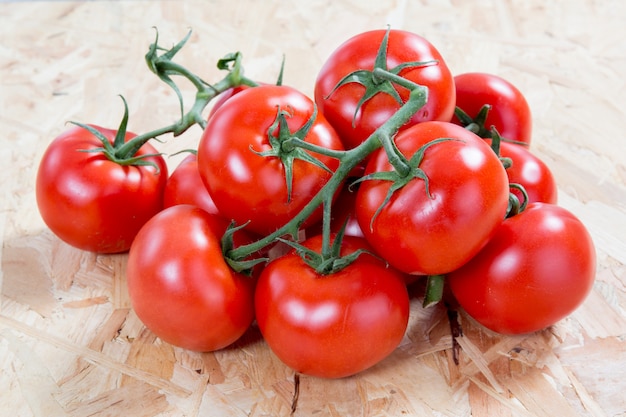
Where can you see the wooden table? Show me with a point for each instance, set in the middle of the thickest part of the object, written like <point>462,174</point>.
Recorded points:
<point>71,346</point>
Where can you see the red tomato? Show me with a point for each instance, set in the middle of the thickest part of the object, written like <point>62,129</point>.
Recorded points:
<point>537,269</point>
<point>246,186</point>
<point>333,325</point>
<point>184,186</point>
<point>434,235</point>
<point>359,53</point>
<point>530,172</point>
<point>93,203</point>
<point>180,285</point>
<point>509,113</point>
<point>225,96</point>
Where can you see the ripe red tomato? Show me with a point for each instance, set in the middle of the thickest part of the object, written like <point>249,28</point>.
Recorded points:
<point>225,96</point>
<point>181,287</point>
<point>246,186</point>
<point>431,235</point>
<point>93,203</point>
<point>537,269</point>
<point>530,172</point>
<point>333,325</point>
<point>509,114</point>
<point>184,186</point>
<point>359,53</point>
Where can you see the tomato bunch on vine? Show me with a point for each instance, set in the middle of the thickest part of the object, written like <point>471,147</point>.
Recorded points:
<point>309,216</point>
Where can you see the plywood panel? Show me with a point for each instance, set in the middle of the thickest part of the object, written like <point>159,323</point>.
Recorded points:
<point>69,342</point>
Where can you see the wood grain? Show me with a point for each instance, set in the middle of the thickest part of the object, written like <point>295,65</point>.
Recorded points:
<point>71,346</point>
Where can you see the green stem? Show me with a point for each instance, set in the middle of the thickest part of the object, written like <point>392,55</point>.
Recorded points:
<point>172,67</point>
<point>395,157</point>
<point>204,95</point>
<point>434,290</point>
<point>294,142</point>
<point>396,79</point>
<point>326,219</point>
<point>348,160</point>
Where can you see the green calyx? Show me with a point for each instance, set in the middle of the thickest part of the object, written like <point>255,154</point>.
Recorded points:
<point>372,82</point>
<point>327,261</point>
<point>285,145</point>
<point>120,151</point>
<point>405,171</point>
<point>478,124</point>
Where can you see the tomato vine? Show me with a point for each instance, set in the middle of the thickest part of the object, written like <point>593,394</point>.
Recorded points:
<point>432,194</point>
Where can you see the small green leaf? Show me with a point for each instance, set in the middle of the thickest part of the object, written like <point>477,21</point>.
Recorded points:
<point>463,117</point>
<point>174,50</point>
<point>227,62</point>
<point>107,147</point>
<point>155,61</point>
<point>120,135</point>
<point>279,81</point>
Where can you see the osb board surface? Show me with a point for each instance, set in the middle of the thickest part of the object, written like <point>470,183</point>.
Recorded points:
<point>71,346</point>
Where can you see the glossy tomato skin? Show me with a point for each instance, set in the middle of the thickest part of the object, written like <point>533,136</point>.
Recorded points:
<point>335,325</point>
<point>184,186</point>
<point>180,286</point>
<point>510,112</point>
<point>225,96</point>
<point>92,203</point>
<point>424,235</point>
<point>359,53</point>
<point>536,270</point>
<point>531,172</point>
<point>246,186</point>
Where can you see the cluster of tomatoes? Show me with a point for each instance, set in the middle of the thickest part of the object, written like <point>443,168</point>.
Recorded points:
<point>312,215</point>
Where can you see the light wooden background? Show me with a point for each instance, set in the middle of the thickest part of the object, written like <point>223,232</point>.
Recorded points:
<point>70,345</point>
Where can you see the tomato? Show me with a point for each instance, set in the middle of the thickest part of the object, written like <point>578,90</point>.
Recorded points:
<point>531,172</point>
<point>181,287</point>
<point>430,235</point>
<point>341,106</point>
<point>225,96</point>
<point>536,270</point>
<point>249,187</point>
<point>509,114</point>
<point>91,202</point>
<point>184,186</point>
<point>332,325</point>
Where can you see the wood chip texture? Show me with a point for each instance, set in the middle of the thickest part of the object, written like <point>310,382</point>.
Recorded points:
<point>70,345</point>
